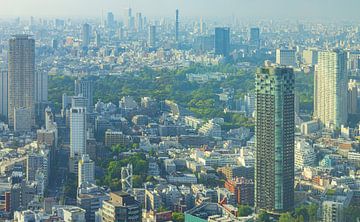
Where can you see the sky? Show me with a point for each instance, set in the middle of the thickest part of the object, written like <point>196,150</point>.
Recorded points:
<point>302,9</point>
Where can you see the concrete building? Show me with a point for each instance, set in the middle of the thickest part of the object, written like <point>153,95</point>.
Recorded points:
<point>86,170</point>
<point>330,89</point>
<point>74,214</point>
<point>274,133</point>
<point>116,138</point>
<point>121,207</point>
<point>21,79</point>
<point>90,198</point>
<point>304,154</point>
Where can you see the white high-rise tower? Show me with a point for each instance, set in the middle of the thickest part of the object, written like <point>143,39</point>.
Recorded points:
<point>330,88</point>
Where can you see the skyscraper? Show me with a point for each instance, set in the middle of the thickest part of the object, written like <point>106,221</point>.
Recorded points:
<point>41,86</point>
<point>85,87</point>
<point>330,88</point>
<point>222,41</point>
<point>86,29</point>
<point>110,20</point>
<point>255,37</point>
<point>77,132</point>
<point>152,36</point>
<point>139,22</point>
<point>3,93</point>
<point>177,26</point>
<point>21,75</point>
<point>274,133</point>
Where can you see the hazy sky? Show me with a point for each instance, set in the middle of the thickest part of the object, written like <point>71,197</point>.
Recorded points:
<point>339,9</point>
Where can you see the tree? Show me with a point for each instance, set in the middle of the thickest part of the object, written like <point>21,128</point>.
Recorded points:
<point>286,217</point>
<point>263,217</point>
<point>244,210</point>
<point>178,217</point>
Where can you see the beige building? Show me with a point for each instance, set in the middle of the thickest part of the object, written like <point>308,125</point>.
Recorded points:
<point>330,89</point>
<point>21,71</point>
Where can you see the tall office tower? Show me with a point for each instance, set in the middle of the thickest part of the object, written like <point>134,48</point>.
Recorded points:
<point>177,26</point>
<point>274,133</point>
<point>222,41</point>
<point>152,36</point>
<point>352,97</point>
<point>255,37</point>
<point>98,39</point>
<point>286,57</point>
<point>3,93</point>
<point>41,86</point>
<point>21,76</point>
<point>86,29</point>
<point>85,87</point>
<point>86,170</point>
<point>330,88</point>
<point>139,22</point>
<point>77,132</point>
<point>110,20</point>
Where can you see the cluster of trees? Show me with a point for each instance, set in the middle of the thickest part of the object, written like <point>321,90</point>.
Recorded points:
<point>112,177</point>
<point>301,214</point>
<point>163,84</point>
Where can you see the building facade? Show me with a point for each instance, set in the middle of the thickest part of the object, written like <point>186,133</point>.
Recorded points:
<point>274,133</point>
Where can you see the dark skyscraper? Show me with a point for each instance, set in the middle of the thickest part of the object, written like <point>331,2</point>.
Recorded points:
<point>255,37</point>
<point>177,26</point>
<point>86,29</point>
<point>222,41</point>
<point>152,36</point>
<point>274,132</point>
<point>21,77</point>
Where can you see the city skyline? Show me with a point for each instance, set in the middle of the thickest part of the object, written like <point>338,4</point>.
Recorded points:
<point>275,9</point>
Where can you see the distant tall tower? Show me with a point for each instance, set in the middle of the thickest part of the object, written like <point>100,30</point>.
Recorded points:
<point>330,88</point>
<point>77,132</point>
<point>274,133</point>
<point>177,26</point>
<point>41,86</point>
<point>152,36</point>
<point>110,20</point>
<point>139,22</point>
<point>86,29</point>
<point>98,39</point>
<point>4,93</point>
<point>85,87</point>
<point>254,37</point>
<point>21,75</point>
<point>222,41</point>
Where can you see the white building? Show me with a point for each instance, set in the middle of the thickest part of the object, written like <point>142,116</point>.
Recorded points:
<point>211,129</point>
<point>77,131</point>
<point>331,86</point>
<point>86,170</point>
<point>304,154</point>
